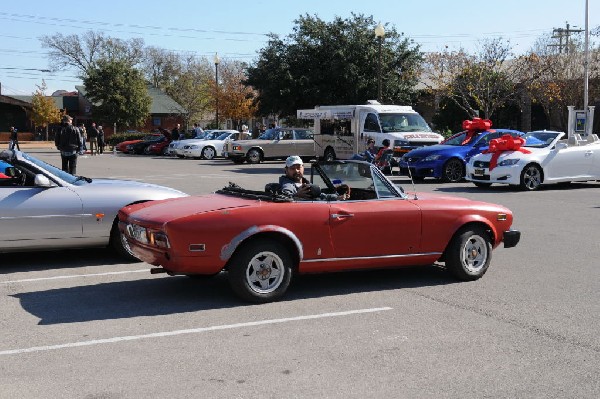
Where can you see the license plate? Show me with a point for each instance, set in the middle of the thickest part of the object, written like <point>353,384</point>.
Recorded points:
<point>478,172</point>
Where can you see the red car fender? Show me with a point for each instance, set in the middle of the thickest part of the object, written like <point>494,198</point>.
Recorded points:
<point>228,249</point>
<point>478,219</point>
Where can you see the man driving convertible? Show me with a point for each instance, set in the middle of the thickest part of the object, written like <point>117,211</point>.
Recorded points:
<point>294,184</point>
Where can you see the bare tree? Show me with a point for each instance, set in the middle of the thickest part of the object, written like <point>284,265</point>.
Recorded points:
<point>83,52</point>
<point>161,67</point>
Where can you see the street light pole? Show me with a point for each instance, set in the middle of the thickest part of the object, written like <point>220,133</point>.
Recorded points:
<point>217,61</point>
<point>588,129</point>
<point>379,33</point>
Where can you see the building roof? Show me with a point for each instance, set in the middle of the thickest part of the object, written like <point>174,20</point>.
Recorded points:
<point>61,102</point>
<point>162,103</point>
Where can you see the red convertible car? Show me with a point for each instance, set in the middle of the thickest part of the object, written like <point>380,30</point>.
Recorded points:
<point>262,238</point>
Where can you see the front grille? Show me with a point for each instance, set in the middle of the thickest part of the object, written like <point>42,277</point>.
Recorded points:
<point>481,164</point>
<point>484,177</point>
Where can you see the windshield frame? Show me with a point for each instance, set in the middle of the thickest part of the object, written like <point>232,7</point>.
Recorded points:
<point>392,122</point>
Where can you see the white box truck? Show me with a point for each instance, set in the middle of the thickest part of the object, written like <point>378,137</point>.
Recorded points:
<point>342,130</point>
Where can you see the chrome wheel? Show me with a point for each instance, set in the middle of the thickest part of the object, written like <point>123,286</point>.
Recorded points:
<point>531,177</point>
<point>469,253</point>
<point>474,254</point>
<point>265,272</point>
<point>208,153</point>
<point>253,156</point>
<point>261,270</point>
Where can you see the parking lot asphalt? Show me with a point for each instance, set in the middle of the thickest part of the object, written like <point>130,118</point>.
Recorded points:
<point>82,323</point>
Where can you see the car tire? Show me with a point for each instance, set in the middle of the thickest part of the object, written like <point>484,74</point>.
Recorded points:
<point>146,150</point>
<point>260,271</point>
<point>482,185</point>
<point>119,243</point>
<point>254,156</point>
<point>329,155</point>
<point>164,151</point>
<point>208,153</point>
<point>531,177</point>
<point>454,171</point>
<point>469,254</point>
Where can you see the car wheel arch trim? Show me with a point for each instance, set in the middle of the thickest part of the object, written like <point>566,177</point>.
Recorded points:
<point>477,221</point>
<point>229,249</point>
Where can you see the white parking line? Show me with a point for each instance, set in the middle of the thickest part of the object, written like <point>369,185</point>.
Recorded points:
<point>188,331</point>
<point>28,280</point>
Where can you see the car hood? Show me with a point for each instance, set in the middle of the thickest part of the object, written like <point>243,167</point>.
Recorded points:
<point>164,211</point>
<point>438,149</point>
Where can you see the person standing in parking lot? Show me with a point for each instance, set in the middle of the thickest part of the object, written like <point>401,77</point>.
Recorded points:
<point>69,142</point>
<point>175,133</point>
<point>93,137</point>
<point>14,139</point>
<point>100,140</point>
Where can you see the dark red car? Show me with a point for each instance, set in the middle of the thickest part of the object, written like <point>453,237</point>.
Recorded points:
<point>122,147</point>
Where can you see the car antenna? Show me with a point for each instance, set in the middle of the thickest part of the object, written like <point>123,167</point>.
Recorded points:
<point>411,179</point>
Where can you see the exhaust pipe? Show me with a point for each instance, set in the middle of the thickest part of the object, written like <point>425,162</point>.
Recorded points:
<point>157,270</point>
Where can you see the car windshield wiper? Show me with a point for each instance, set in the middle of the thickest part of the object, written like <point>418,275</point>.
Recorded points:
<point>87,179</point>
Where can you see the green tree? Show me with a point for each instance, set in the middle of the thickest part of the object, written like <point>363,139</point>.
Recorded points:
<point>44,110</point>
<point>333,63</point>
<point>118,93</point>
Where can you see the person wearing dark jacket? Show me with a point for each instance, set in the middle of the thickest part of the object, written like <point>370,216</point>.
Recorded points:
<point>100,139</point>
<point>68,141</point>
<point>93,138</point>
<point>14,139</point>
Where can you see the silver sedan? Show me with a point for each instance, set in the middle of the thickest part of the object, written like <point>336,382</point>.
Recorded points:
<point>44,208</point>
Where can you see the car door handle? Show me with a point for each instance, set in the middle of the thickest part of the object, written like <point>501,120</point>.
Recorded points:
<point>589,153</point>
<point>341,215</point>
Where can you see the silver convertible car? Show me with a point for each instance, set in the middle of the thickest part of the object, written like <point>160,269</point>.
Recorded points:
<point>44,208</point>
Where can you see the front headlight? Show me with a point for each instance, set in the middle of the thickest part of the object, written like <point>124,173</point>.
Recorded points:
<point>433,157</point>
<point>508,162</point>
<point>237,148</point>
<point>194,147</point>
<point>148,236</point>
<point>158,238</point>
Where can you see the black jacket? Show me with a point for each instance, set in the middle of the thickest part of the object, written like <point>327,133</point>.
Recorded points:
<point>69,139</point>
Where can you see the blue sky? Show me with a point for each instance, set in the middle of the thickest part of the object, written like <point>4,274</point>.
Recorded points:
<point>236,29</point>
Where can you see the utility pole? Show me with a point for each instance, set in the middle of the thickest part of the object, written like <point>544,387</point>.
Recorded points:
<point>560,33</point>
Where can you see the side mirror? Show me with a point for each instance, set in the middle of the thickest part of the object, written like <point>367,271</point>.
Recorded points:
<point>561,146</point>
<point>42,181</point>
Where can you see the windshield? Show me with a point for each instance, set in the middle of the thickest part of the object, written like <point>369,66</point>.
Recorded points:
<point>53,170</point>
<point>539,139</point>
<point>357,175</point>
<point>269,134</point>
<point>212,135</point>
<point>403,123</point>
<point>224,136</point>
<point>459,138</point>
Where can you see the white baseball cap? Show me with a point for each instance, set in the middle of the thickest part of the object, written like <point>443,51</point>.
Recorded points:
<point>293,160</point>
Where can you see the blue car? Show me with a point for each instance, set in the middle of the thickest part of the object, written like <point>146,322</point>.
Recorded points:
<point>447,161</point>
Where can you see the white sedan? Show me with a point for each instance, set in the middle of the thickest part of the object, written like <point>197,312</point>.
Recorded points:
<point>208,149</point>
<point>545,158</point>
